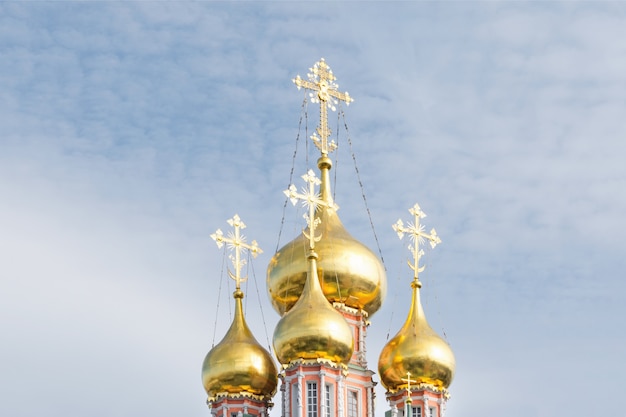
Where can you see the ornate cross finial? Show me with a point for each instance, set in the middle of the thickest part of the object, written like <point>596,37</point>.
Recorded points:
<point>416,231</point>
<point>236,241</point>
<point>311,199</point>
<point>322,81</point>
<point>408,381</point>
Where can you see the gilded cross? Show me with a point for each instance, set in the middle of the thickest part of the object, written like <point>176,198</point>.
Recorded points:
<point>322,81</point>
<point>236,241</point>
<point>310,199</point>
<point>418,236</point>
<point>408,381</point>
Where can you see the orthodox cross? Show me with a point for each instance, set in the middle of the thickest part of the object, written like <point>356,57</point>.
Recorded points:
<point>418,235</point>
<point>236,241</point>
<point>408,381</point>
<point>322,81</point>
<point>311,199</point>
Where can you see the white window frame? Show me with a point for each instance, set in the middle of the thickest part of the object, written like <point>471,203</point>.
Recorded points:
<point>353,395</point>
<point>294,399</point>
<point>312,404</point>
<point>328,392</point>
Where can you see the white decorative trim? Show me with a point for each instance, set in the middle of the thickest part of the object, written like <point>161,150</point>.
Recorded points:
<point>239,395</point>
<point>421,386</point>
<point>296,362</point>
<point>322,394</point>
<point>300,376</point>
<point>350,310</point>
<point>286,399</point>
<point>362,358</point>
<point>370,402</point>
<point>340,399</point>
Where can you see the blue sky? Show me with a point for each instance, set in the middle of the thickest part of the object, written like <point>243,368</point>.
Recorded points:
<point>129,132</point>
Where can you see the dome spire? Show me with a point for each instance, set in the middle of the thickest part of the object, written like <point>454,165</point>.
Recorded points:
<point>416,351</point>
<point>238,365</point>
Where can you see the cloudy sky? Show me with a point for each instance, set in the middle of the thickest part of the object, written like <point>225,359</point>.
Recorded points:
<point>129,132</point>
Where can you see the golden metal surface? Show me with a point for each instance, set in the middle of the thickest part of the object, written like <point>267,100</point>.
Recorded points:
<point>351,273</point>
<point>313,329</point>
<point>238,363</point>
<point>416,349</point>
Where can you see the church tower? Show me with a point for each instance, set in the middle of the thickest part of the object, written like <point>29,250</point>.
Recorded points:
<point>416,366</point>
<point>346,277</point>
<point>239,376</point>
<point>326,286</point>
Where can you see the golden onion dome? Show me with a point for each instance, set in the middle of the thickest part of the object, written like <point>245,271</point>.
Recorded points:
<point>239,363</point>
<point>313,329</point>
<point>351,273</point>
<point>416,349</point>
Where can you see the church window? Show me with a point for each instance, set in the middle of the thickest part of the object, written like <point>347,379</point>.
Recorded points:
<point>432,412</point>
<point>329,400</point>
<point>353,404</point>
<point>311,399</point>
<point>416,412</point>
<point>295,388</point>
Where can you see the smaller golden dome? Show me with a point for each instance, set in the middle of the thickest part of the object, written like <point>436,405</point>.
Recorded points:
<point>416,349</point>
<point>313,329</point>
<point>239,363</point>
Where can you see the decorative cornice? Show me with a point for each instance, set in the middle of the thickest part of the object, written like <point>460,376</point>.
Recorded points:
<point>312,362</point>
<point>239,395</point>
<point>351,310</point>
<point>421,387</point>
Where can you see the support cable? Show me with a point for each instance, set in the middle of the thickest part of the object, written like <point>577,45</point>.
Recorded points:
<point>358,175</point>
<point>258,293</point>
<point>303,114</point>
<point>219,292</point>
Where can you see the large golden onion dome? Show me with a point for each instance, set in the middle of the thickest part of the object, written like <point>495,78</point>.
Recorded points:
<point>351,273</point>
<point>313,329</point>
<point>239,364</point>
<point>416,349</point>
